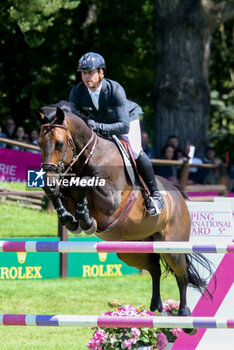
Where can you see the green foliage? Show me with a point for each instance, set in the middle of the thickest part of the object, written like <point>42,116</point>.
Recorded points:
<point>124,34</point>
<point>34,16</point>
<point>42,40</point>
<point>222,91</point>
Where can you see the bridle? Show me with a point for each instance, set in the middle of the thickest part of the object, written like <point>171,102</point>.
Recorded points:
<point>60,168</point>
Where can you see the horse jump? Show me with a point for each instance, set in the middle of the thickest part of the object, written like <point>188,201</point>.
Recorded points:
<point>111,321</point>
<point>115,247</point>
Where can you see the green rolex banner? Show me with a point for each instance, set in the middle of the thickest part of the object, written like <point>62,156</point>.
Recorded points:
<point>18,266</point>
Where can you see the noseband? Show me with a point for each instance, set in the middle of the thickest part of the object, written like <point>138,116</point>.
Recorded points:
<point>47,166</point>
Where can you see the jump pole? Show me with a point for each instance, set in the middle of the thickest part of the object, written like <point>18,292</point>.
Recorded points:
<point>119,322</point>
<point>115,247</point>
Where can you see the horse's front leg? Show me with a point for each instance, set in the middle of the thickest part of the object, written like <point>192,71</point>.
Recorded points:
<point>65,217</point>
<point>87,222</point>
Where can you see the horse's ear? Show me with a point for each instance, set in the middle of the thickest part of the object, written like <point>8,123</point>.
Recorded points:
<point>39,116</point>
<point>60,115</point>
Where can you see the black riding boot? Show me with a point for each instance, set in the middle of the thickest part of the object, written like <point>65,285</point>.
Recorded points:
<point>155,202</point>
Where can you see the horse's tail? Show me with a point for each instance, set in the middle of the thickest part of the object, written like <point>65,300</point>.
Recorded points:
<point>195,280</point>
<point>179,188</point>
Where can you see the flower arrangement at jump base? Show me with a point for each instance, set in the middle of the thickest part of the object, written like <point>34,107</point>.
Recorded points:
<point>134,338</point>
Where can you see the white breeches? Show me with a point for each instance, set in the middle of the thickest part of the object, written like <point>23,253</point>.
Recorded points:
<point>134,137</point>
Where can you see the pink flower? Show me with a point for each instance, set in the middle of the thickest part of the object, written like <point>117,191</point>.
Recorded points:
<point>176,332</point>
<point>171,306</point>
<point>135,332</point>
<point>161,341</point>
<point>98,340</point>
<point>101,335</point>
<point>127,344</point>
<point>93,345</point>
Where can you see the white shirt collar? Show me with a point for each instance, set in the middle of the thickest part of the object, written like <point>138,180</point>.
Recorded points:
<point>96,92</point>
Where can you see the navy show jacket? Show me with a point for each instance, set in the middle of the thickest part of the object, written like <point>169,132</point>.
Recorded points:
<point>115,110</point>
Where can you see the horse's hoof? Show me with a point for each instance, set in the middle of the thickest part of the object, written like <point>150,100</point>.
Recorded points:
<point>190,331</point>
<point>76,231</point>
<point>68,220</point>
<point>156,305</point>
<point>184,312</point>
<point>92,229</point>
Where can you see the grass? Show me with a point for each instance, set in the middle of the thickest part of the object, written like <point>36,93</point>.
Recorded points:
<point>69,296</point>
<point>16,221</point>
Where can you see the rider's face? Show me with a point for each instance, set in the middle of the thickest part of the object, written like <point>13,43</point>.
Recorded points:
<point>92,78</point>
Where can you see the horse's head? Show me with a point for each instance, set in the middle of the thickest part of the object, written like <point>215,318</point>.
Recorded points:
<point>66,142</point>
<point>55,141</point>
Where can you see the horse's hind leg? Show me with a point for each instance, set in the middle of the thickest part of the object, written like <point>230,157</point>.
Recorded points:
<point>177,263</point>
<point>155,271</point>
<point>149,262</point>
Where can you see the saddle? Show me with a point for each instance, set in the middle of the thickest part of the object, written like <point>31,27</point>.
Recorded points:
<point>130,165</point>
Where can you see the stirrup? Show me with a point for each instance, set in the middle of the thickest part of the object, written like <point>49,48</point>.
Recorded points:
<point>152,207</point>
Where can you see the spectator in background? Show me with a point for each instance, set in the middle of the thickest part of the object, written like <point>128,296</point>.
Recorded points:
<point>173,140</point>
<point>195,173</point>
<point>231,174</point>
<point>180,154</point>
<point>34,136</point>
<point>168,171</point>
<point>9,128</point>
<point>145,144</point>
<point>210,176</point>
<point>20,136</point>
<point>2,134</point>
<point>210,157</point>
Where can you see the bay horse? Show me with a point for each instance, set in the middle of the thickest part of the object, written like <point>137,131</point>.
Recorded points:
<point>117,210</point>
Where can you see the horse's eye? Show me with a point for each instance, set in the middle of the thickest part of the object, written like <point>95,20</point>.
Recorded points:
<point>59,146</point>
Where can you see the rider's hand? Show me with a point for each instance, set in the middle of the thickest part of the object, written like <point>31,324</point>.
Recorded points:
<point>93,125</point>
<point>98,127</point>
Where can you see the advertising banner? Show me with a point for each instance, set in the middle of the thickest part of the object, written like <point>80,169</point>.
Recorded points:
<point>18,266</point>
<point>14,164</point>
<point>211,222</point>
<point>21,266</point>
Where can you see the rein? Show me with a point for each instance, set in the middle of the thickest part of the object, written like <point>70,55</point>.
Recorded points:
<point>75,158</point>
<point>47,166</point>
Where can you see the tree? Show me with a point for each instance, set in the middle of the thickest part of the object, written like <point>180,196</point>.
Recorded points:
<point>23,62</point>
<point>221,130</point>
<point>184,31</point>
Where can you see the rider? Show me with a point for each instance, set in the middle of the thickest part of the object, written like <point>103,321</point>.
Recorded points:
<point>110,113</point>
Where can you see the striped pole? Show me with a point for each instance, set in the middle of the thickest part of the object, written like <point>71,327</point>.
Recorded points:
<point>119,322</point>
<point>115,247</point>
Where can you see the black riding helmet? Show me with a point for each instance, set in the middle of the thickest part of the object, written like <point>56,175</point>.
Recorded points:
<point>90,61</point>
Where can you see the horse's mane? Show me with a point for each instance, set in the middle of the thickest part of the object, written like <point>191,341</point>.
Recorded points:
<point>68,107</point>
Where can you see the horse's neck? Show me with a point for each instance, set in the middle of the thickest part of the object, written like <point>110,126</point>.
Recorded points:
<point>79,131</point>
<point>105,160</point>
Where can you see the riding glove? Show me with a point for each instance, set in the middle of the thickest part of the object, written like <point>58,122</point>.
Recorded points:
<point>93,125</point>
<point>118,128</point>
<point>98,127</point>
